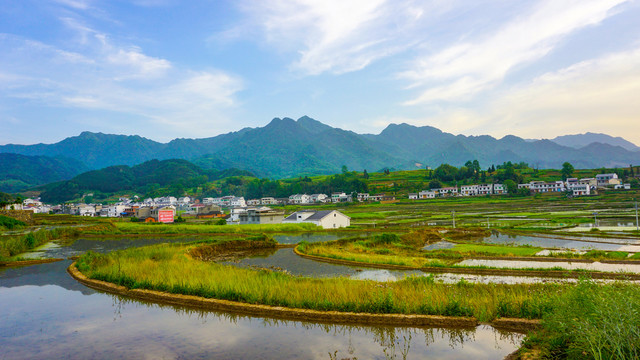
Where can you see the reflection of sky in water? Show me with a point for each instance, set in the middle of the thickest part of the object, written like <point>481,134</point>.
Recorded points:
<point>563,243</point>
<point>49,321</point>
<point>312,237</point>
<point>595,266</point>
<point>287,260</point>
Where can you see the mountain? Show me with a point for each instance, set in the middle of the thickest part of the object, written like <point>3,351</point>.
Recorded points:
<point>141,178</point>
<point>291,148</point>
<point>581,140</point>
<point>19,172</point>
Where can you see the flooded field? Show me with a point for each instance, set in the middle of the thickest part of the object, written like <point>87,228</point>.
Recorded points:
<point>584,243</point>
<point>287,260</point>
<point>514,264</point>
<point>47,314</point>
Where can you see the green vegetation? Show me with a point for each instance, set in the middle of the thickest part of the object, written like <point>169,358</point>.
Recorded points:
<point>11,246</point>
<point>148,178</point>
<point>191,228</point>
<point>590,321</point>
<point>10,223</point>
<point>170,268</point>
<point>19,172</point>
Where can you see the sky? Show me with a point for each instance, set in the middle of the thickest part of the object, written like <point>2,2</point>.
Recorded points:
<point>166,69</point>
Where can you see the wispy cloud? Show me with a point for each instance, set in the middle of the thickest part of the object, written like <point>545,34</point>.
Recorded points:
<point>598,95</point>
<point>339,36</point>
<point>121,79</point>
<point>467,68</point>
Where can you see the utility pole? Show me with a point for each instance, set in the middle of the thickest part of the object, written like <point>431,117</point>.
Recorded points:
<point>488,222</point>
<point>637,228</point>
<point>453,214</point>
<point>595,215</point>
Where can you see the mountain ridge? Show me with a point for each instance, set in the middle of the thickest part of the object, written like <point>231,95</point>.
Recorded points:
<point>286,148</point>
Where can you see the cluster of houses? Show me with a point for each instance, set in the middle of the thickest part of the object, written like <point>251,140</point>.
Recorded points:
<point>257,211</point>
<point>577,187</point>
<point>164,209</point>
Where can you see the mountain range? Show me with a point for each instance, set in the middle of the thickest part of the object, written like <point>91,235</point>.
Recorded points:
<point>289,148</point>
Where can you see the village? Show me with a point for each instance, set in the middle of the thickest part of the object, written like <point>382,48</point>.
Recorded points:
<point>235,210</point>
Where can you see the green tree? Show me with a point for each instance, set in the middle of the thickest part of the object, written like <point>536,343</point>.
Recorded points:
<point>512,187</point>
<point>567,170</point>
<point>366,174</point>
<point>445,172</point>
<point>435,184</point>
<point>345,169</point>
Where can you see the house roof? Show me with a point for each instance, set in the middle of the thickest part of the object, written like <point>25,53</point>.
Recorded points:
<point>317,214</point>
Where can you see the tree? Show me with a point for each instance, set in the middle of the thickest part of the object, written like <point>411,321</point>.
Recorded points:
<point>366,174</point>
<point>435,184</point>
<point>445,172</point>
<point>567,170</point>
<point>512,187</point>
<point>344,169</point>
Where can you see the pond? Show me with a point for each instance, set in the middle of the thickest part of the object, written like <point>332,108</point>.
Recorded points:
<point>47,314</point>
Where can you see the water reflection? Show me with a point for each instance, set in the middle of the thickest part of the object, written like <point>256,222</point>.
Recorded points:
<point>47,314</point>
<point>608,244</point>
<point>594,266</point>
<point>287,260</point>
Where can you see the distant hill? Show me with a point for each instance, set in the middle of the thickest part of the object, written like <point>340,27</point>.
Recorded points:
<point>19,172</point>
<point>581,140</point>
<point>289,148</point>
<point>143,178</point>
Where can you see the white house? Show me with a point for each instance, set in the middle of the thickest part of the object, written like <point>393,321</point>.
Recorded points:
<point>319,198</point>
<point>469,190</point>
<point>340,197</point>
<point>299,199</point>
<point>499,189</point>
<point>425,194</point>
<point>363,197</point>
<point>485,189</point>
<point>86,210</point>
<point>607,179</point>
<point>328,219</point>
<point>253,202</point>
<point>115,210</point>
<point>579,189</point>
<point>263,215</point>
<point>413,196</point>
<point>268,201</point>
<point>237,201</point>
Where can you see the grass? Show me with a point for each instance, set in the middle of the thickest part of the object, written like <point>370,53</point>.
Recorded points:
<point>11,246</point>
<point>170,268</point>
<point>187,228</point>
<point>591,321</point>
<point>10,223</point>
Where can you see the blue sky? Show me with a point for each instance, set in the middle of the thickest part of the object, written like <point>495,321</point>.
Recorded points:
<point>164,69</point>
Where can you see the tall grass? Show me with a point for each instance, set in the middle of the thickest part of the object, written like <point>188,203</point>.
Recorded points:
<point>168,267</point>
<point>14,245</point>
<point>592,321</point>
<point>142,228</point>
<point>10,223</point>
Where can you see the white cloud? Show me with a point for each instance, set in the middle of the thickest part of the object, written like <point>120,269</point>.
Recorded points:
<point>465,69</point>
<point>598,95</point>
<point>101,75</point>
<point>340,36</point>
<point>141,65</point>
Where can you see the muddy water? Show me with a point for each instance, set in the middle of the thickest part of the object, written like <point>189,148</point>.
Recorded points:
<point>44,313</point>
